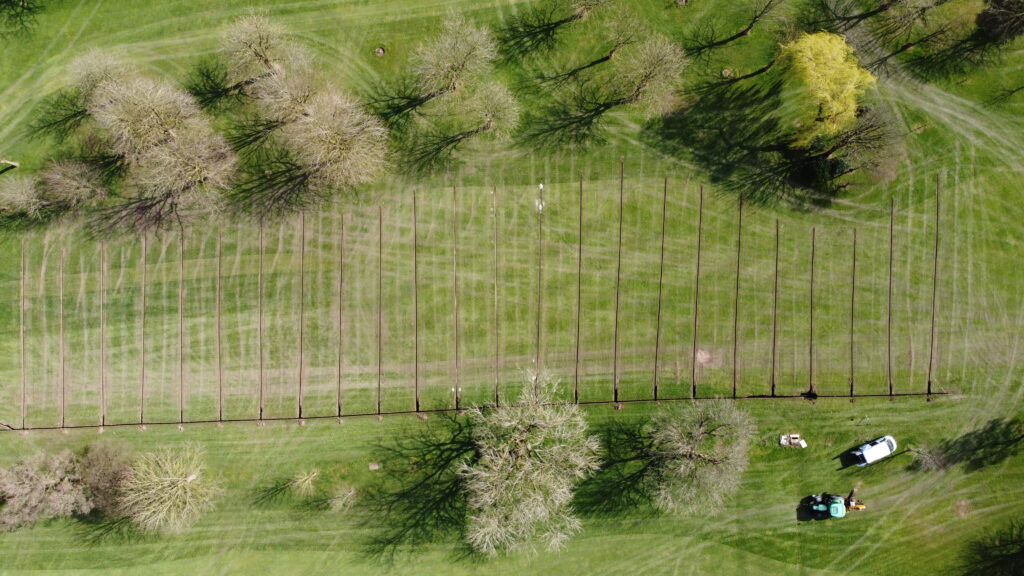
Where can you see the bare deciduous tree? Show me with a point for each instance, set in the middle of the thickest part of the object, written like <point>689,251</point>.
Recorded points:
<point>687,457</point>
<point>700,454</point>
<point>341,145</point>
<point>649,73</point>
<point>20,195</point>
<point>42,487</point>
<point>167,491</point>
<point>532,455</point>
<point>459,54</point>
<point>177,164</point>
<point>303,484</point>
<point>69,184</point>
<point>94,67</point>
<point>331,146</point>
<point>255,50</point>
<point>62,113</point>
<point>460,51</point>
<point>105,466</point>
<point>343,498</point>
<point>141,114</point>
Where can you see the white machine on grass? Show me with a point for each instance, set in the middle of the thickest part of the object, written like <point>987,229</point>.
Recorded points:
<point>874,451</point>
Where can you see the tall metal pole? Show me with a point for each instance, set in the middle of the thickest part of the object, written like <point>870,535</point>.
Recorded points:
<point>103,334</point>
<point>259,311</point>
<point>21,336</point>
<point>380,310</point>
<point>415,301</point>
<point>853,296</point>
<point>60,311</point>
<point>142,333</point>
<point>455,294</point>
<point>696,297</point>
<point>661,283</point>
<point>775,309</point>
<point>810,335</point>
<point>540,277</point>
<point>888,318</point>
<point>579,294</point>
<point>181,327</point>
<point>302,309</point>
<point>497,322</point>
<point>341,308</point>
<point>935,287</point>
<point>736,303</point>
<point>618,285</point>
<point>220,341</point>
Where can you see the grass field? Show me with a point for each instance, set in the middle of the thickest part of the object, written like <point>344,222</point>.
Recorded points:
<point>913,525</point>
<point>915,522</point>
<point>82,277</point>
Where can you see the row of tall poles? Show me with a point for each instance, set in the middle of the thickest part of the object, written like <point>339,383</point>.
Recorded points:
<point>538,359</point>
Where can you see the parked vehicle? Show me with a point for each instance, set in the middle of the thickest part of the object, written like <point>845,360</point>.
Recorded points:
<point>874,451</point>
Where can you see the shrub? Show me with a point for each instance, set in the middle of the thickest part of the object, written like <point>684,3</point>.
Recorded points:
<point>167,490</point>
<point>105,466</point>
<point>303,484</point>
<point>42,487</point>
<point>343,499</point>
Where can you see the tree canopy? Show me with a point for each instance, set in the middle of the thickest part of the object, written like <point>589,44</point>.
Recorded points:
<point>824,85</point>
<point>531,456</point>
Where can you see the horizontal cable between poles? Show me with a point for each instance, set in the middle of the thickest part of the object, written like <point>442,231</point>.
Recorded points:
<point>4,428</point>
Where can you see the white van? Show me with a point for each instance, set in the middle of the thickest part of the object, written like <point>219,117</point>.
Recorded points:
<point>875,450</point>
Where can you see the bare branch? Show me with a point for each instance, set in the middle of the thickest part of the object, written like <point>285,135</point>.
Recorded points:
<point>459,52</point>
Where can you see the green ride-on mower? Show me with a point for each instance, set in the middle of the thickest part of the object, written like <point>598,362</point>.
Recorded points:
<point>823,506</point>
<point>827,506</point>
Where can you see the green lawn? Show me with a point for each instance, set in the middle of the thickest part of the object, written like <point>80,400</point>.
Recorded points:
<point>914,523</point>
<point>911,525</point>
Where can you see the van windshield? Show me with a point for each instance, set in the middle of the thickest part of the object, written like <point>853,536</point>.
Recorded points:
<point>889,444</point>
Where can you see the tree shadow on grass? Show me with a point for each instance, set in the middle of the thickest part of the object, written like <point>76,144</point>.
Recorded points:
<point>954,57</point>
<point>534,29</point>
<point>396,102</point>
<point>997,440</point>
<point>999,553</point>
<point>273,493</point>
<point>95,529</point>
<point>619,486</point>
<point>733,133</point>
<point>422,500</point>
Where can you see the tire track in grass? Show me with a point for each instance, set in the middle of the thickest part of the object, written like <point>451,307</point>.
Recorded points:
<point>14,119</point>
<point>7,94</point>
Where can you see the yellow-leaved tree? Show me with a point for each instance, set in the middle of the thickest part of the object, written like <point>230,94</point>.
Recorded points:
<point>824,82</point>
